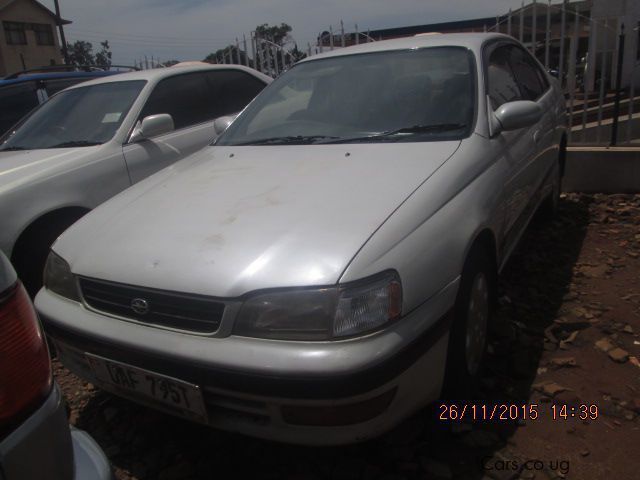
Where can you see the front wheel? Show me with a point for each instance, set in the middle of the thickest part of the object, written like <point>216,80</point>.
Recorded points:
<point>468,336</point>
<point>550,205</point>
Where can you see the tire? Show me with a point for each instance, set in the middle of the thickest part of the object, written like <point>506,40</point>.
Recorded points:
<point>468,336</point>
<point>550,205</point>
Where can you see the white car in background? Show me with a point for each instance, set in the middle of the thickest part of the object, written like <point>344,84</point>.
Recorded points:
<point>93,140</point>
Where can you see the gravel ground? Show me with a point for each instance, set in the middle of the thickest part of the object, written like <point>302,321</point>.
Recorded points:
<point>566,333</point>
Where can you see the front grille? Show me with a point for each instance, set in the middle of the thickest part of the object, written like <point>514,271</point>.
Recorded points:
<point>193,313</point>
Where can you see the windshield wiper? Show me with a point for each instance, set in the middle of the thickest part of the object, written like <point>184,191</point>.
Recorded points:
<point>75,143</point>
<point>437,127</point>
<point>12,149</point>
<point>289,140</point>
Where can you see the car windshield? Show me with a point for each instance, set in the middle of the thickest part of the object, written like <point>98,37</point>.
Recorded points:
<point>79,117</point>
<point>412,95</point>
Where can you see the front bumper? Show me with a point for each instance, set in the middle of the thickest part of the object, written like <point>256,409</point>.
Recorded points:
<point>249,384</point>
<point>43,448</point>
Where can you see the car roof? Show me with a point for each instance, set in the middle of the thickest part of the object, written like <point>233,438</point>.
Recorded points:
<point>30,77</point>
<point>160,73</point>
<point>472,41</point>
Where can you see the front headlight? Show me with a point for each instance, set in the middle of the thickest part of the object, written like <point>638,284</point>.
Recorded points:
<point>58,277</point>
<point>322,313</point>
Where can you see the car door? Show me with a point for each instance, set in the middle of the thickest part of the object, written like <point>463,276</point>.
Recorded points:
<point>193,100</point>
<point>516,147</point>
<point>535,86</point>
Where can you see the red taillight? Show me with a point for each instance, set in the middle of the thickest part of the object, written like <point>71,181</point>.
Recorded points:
<point>25,368</point>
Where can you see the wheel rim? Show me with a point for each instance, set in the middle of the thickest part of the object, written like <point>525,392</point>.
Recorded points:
<point>477,317</point>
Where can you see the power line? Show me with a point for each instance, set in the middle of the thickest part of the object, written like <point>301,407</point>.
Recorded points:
<point>148,37</point>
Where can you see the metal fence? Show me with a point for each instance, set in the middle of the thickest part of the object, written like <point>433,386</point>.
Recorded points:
<point>592,53</point>
<point>259,52</point>
<point>256,51</point>
<point>595,57</point>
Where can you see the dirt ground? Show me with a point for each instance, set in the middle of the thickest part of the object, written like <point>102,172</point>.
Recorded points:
<point>566,333</point>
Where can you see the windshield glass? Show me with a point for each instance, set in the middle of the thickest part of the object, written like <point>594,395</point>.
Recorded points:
<point>78,117</point>
<point>402,95</point>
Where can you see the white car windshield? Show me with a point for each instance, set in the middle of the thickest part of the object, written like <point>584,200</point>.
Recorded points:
<point>79,117</point>
<point>413,95</point>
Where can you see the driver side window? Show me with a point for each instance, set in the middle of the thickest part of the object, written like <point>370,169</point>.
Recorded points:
<point>186,97</point>
<point>502,83</point>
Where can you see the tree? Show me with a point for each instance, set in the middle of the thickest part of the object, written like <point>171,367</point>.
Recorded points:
<point>228,54</point>
<point>267,36</point>
<point>103,57</point>
<point>81,53</point>
<point>279,35</point>
<point>276,34</point>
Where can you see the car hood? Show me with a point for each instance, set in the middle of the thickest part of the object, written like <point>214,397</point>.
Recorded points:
<point>229,220</point>
<point>23,165</point>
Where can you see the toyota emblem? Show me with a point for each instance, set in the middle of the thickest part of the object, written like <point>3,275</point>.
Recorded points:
<point>140,306</point>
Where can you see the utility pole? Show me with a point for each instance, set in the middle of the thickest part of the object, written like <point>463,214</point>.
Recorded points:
<point>63,40</point>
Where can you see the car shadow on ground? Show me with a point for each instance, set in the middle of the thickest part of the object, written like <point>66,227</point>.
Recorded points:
<point>142,443</point>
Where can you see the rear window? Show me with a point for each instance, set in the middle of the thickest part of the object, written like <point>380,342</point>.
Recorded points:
<point>199,97</point>
<point>17,101</point>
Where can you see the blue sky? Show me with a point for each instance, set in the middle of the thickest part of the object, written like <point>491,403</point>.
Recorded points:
<point>190,29</point>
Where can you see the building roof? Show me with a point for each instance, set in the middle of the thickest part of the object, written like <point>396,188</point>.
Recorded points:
<point>5,3</point>
<point>434,27</point>
<point>479,24</point>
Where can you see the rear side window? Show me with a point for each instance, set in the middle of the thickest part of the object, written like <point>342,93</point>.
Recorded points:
<point>502,83</point>
<point>187,98</point>
<point>16,101</point>
<point>232,90</point>
<point>527,74</point>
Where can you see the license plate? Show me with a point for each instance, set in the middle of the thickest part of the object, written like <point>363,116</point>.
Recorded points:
<point>180,397</point>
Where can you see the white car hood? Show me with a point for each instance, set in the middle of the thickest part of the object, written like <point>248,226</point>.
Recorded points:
<point>230,220</point>
<point>26,165</point>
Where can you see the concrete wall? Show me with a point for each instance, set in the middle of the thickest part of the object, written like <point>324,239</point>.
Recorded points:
<point>34,55</point>
<point>605,170</point>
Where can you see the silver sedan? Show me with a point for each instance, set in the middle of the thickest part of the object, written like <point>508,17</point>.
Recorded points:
<point>329,266</point>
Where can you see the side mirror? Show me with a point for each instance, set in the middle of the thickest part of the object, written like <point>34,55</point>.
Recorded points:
<point>220,124</point>
<point>516,115</point>
<point>152,126</point>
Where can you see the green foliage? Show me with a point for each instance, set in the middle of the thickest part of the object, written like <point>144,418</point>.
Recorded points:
<point>268,34</point>
<point>278,34</point>
<point>81,53</point>
<point>103,57</point>
<point>230,53</point>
